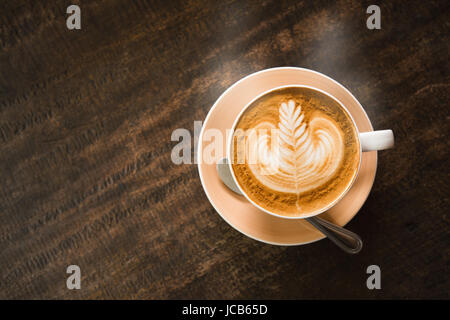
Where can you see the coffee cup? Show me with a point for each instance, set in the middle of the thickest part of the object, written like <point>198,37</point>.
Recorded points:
<point>326,141</point>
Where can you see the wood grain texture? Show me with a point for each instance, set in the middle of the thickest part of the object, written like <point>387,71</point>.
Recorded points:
<point>85,124</point>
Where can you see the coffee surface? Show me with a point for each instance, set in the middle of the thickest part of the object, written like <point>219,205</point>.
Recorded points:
<point>295,151</point>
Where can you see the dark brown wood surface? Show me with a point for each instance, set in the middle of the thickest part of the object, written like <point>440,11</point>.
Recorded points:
<point>86,118</point>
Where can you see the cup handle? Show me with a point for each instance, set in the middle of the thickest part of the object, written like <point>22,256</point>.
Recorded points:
<point>376,140</point>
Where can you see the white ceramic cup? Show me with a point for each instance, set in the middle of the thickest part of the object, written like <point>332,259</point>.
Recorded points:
<point>368,141</point>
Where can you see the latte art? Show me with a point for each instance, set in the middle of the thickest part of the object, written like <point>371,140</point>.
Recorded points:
<point>295,151</point>
<point>305,156</point>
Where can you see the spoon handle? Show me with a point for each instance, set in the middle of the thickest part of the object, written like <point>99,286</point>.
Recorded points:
<point>348,241</point>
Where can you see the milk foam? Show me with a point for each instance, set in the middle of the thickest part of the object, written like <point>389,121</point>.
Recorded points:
<point>294,155</point>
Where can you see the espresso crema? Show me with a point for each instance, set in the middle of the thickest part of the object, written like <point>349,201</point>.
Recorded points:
<point>295,151</point>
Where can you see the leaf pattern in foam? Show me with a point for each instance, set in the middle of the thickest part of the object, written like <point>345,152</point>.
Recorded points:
<point>305,155</point>
<point>292,133</point>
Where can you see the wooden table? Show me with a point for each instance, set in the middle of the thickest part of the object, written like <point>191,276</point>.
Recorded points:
<point>86,118</point>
